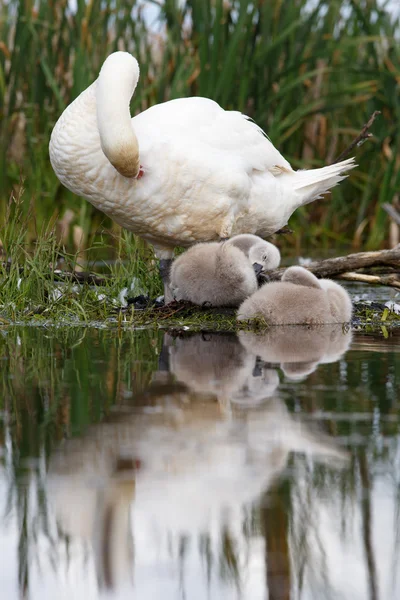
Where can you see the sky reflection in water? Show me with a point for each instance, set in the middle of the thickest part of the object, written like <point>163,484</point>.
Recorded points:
<point>146,465</point>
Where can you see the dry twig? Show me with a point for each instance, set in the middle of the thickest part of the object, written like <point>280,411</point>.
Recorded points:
<point>360,139</point>
<point>389,280</point>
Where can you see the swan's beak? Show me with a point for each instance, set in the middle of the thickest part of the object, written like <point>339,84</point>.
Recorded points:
<point>257,268</point>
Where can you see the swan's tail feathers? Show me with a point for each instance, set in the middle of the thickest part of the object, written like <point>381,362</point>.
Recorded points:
<point>312,184</point>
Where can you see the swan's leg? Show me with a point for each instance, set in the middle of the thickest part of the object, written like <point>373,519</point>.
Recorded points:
<point>165,268</point>
<point>165,255</point>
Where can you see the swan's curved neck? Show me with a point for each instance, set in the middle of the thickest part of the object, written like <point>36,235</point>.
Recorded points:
<point>115,86</point>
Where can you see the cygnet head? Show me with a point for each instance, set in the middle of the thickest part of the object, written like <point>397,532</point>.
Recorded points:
<point>264,257</point>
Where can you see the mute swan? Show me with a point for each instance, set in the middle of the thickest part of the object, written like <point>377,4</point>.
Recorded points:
<point>216,273</point>
<point>263,255</point>
<point>300,298</point>
<point>181,172</point>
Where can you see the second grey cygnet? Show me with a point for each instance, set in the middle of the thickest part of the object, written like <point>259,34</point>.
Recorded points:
<point>299,298</point>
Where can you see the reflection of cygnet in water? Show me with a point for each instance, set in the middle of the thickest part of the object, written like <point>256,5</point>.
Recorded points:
<point>299,298</point>
<point>218,364</point>
<point>260,385</point>
<point>298,349</point>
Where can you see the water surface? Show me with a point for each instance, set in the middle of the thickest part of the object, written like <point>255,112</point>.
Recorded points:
<point>211,466</point>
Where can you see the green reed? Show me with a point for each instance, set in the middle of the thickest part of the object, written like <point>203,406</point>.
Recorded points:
<point>30,271</point>
<point>310,74</point>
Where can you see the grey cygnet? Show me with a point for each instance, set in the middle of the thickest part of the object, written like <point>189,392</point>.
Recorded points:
<point>299,298</point>
<point>216,273</point>
<point>222,274</point>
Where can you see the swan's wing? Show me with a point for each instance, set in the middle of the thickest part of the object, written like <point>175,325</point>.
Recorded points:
<point>202,122</point>
<point>302,277</point>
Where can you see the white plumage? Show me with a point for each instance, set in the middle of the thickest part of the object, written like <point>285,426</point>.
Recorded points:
<point>208,173</point>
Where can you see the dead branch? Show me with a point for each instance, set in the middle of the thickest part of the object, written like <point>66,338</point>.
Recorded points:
<point>360,139</point>
<point>331,267</point>
<point>389,280</point>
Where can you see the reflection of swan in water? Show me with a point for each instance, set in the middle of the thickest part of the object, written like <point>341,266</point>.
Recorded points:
<point>93,502</point>
<point>193,468</point>
<point>218,364</point>
<point>298,349</point>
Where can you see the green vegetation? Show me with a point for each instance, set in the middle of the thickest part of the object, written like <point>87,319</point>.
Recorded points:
<point>34,290</point>
<point>30,289</point>
<point>374,317</point>
<point>309,73</point>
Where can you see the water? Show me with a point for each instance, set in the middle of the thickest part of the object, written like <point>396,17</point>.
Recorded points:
<point>152,466</point>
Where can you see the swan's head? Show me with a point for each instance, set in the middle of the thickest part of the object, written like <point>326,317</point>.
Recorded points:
<point>264,257</point>
<point>115,86</point>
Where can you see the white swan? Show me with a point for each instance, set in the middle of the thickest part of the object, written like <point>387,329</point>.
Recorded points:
<point>214,273</point>
<point>181,172</point>
<point>300,298</point>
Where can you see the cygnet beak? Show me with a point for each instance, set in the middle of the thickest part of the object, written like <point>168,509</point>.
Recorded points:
<point>257,268</point>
